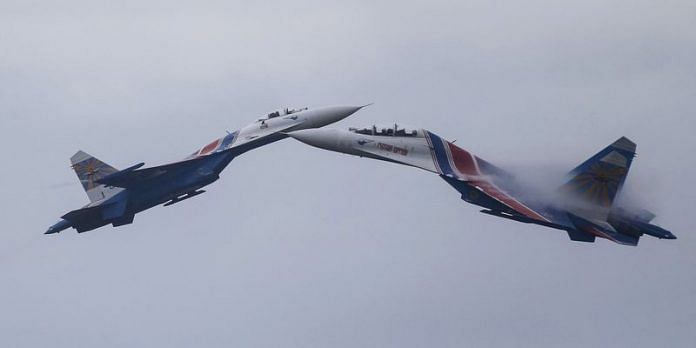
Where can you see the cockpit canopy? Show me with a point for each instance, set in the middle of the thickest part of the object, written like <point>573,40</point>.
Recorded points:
<point>391,130</point>
<point>282,112</point>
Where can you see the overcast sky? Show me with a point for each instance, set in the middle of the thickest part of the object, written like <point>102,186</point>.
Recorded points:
<point>299,247</point>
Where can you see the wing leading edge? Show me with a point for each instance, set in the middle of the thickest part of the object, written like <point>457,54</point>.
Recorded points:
<point>481,183</point>
<point>133,177</point>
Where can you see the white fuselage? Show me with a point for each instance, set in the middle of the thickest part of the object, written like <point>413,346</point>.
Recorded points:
<point>412,149</point>
<point>274,127</point>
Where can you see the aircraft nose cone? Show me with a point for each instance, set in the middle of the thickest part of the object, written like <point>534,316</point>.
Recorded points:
<point>335,113</point>
<point>345,111</point>
<point>321,138</point>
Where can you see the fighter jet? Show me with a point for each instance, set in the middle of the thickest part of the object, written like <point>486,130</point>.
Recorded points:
<point>583,206</point>
<point>117,195</point>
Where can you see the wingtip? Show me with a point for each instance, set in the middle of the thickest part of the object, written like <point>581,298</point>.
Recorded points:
<point>625,144</point>
<point>79,156</point>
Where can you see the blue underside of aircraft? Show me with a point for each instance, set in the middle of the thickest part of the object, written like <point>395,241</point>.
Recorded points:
<point>116,196</point>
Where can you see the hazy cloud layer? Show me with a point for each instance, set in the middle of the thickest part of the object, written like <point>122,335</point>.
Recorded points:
<point>300,247</point>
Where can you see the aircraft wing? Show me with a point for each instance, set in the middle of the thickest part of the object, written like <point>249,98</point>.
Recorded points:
<point>488,194</point>
<point>507,204</point>
<point>486,185</point>
<point>132,177</point>
<point>501,198</point>
<point>508,200</point>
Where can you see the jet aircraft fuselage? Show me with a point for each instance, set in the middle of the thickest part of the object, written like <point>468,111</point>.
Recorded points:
<point>116,196</point>
<point>583,207</point>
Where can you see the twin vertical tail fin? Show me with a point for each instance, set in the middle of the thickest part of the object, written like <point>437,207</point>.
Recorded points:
<point>89,170</point>
<point>597,181</point>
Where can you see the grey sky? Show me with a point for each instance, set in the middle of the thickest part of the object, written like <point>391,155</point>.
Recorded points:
<point>300,247</point>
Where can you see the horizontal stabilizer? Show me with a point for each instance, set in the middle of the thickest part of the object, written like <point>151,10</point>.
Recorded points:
<point>82,214</point>
<point>86,219</point>
<point>603,229</point>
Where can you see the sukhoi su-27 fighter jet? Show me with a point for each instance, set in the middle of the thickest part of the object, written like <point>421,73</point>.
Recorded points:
<point>117,195</point>
<point>583,206</point>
